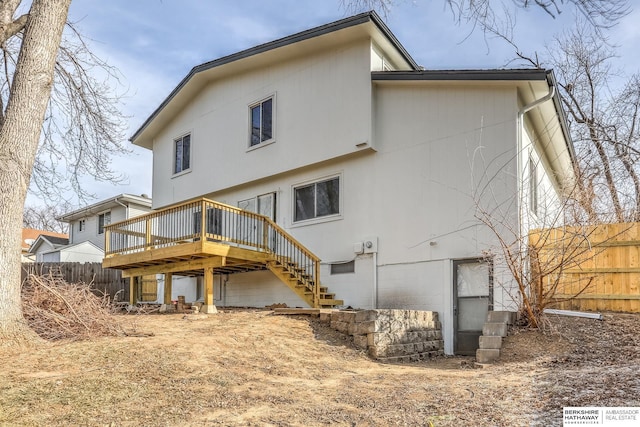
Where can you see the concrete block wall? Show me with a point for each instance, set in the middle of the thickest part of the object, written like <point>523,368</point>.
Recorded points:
<point>391,335</point>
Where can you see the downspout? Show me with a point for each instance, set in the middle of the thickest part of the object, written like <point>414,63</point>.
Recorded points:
<point>126,208</point>
<point>520,132</point>
<point>375,280</point>
<point>519,180</point>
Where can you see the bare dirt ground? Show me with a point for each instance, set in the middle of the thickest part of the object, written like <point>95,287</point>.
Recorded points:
<point>248,367</point>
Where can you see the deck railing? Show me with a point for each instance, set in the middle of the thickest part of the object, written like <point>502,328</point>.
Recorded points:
<point>205,220</point>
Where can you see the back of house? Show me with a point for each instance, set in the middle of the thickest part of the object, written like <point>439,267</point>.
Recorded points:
<point>377,166</point>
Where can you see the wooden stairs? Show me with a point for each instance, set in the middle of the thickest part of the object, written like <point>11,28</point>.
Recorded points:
<point>302,282</point>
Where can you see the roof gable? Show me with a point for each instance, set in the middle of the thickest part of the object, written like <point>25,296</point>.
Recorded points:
<point>29,236</point>
<point>329,34</point>
<point>53,242</point>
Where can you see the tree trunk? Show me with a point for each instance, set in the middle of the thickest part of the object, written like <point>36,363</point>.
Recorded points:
<point>19,139</point>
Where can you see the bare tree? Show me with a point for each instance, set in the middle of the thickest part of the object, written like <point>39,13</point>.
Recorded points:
<point>45,218</point>
<point>54,112</point>
<point>532,251</point>
<point>497,16</point>
<point>603,112</point>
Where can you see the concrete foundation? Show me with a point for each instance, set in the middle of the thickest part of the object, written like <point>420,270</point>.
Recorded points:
<point>208,309</point>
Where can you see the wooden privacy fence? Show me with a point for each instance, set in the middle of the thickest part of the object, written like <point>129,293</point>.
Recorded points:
<point>107,281</point>
<point>594,268</point>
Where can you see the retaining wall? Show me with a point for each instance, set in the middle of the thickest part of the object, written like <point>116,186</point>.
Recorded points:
<point>391,335</point>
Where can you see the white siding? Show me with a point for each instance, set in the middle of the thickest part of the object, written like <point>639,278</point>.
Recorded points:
<point>322,110</point>
<point>83,252</point>
<point>49,257</point>
<point>137,210</point>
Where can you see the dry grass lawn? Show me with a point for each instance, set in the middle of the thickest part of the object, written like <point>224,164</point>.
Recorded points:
<point>250,367</point>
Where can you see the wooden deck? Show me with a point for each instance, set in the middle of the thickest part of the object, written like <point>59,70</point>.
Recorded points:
<point>201,238</point>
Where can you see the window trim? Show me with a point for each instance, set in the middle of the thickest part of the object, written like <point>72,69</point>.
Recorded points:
<point>250,108</point>
<point>318,219</point>
<point>174,157</point>
<point>104,224</point>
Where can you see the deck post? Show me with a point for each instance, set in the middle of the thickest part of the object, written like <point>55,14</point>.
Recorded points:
<point>147,234</point>
<point>133,290</point>
<point>168,281</point>
<point>209,306</point>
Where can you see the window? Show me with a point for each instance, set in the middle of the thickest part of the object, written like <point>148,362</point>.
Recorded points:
<point>343,267</point>
<point>533,186</point>
<point>182,149</point>
<point>317,200</point>
<point>214,221</point>
<point>82,225</point>
<point>103,219</point>
<point>263,205</point>
<point>261,122</point>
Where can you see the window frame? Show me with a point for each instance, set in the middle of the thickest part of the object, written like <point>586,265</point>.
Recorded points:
<point>317,219</point>
<point>338,268</point>
<point>175,142</point>
<point>103,215</point>
<point>251,107</point>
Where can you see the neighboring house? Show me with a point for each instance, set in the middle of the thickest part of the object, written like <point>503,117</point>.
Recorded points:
<point>86,228</point>
<point>45,248</point>
<point>29,236</point>
<point>56,249</point>
<point>377,166</point>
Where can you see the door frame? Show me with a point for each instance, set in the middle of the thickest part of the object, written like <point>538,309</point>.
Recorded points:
<point>455,264</point>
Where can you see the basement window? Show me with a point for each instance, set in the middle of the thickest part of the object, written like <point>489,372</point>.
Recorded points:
<point>343,267</point>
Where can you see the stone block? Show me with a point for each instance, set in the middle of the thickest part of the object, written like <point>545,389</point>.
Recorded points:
<point>508,317</point>
<point>360,341</point>
<point>340,327</point>
<point>365,315</point>
<point>362,328</point>
<point>352,328</point>
<point>495,329</point>
<point>487,355</point>
<point>348,316</point>
<point>325,317</point>
<point>490,341</point>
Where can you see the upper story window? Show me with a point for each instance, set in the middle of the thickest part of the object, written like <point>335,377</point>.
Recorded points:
<point>261,116</point>
<point>317,200</point>
<point>82,225</point>
<point>103,219</point>
<point>182,156</point>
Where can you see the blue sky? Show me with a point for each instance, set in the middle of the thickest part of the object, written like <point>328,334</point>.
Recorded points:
<point>154,44</point>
